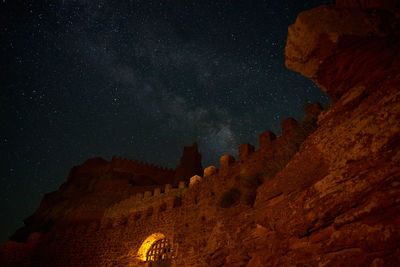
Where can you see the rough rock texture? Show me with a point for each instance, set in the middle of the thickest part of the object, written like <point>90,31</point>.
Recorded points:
<point>337,35</point>
<point>333,201</point>
<point>337,202</point>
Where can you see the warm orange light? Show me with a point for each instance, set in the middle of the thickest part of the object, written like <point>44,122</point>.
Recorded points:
<point>147,243</point>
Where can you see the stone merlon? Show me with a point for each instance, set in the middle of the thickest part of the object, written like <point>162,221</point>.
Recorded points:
<point>288,126</point>
<point>265,139</point>
<point>245,150</point>
<point>226,161</point>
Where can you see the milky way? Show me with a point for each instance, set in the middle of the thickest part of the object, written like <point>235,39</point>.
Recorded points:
<point>137,79</point>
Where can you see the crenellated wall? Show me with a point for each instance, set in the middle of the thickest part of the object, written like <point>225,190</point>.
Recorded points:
<point>273,153</point>
<point>126,165</point>
<point>115,240</point>
<point>115,237</point>
<point>332,200</point>
<point>142,170</point>
<point>144,199</point>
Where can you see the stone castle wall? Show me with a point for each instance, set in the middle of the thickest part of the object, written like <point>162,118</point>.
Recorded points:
<point>125,165</point>
<point>333,201</point>
<point>116,238</point>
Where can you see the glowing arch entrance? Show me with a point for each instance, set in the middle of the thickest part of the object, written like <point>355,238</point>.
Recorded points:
<point>156,250</point>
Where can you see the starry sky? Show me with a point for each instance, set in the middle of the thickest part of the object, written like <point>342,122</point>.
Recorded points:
<point>137,79</point>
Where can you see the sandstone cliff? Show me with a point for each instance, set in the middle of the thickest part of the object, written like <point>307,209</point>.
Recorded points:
<point>337,202</point>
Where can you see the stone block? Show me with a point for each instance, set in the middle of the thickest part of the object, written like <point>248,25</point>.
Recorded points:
<point>265,139</point>
<point>177,202</point>
<point>225,162</point>
<point>245,150</point>
<point>181,185</point>
<point>147,195</point>
<point>106,223</point>
<point>149,211</point>
<point>162,207</point>
<point>288,126</point>
<point>209,171</point>
<point>93,226</point>
<point>139,196</point>
<point>168,188</point>
<point>157,192</point>
<point>313,109</point>
<point>194,180</point>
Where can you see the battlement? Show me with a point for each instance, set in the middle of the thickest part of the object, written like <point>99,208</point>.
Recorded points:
<point>268,139</point>
<point>265,139</point>
<point>144,206</point>
<point>288,126</point>
<point>226,161</point>
<point>119,163</point>
<point>269,152</point>
<point>143,199</point>
<point>245,150</point>
<point>143,172</point>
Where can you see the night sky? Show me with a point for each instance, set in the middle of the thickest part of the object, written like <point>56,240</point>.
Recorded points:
<point>137,79</point>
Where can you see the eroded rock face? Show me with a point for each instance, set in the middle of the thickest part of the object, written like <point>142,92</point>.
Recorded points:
<point>361,42</point>
<point>337,202</point>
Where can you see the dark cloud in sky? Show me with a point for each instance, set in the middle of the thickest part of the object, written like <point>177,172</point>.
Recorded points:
<point>138,79</point>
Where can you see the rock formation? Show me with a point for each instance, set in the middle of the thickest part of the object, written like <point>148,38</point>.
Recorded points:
<point>325,193</point>
<point>337,202</point>
<point>341,46</point>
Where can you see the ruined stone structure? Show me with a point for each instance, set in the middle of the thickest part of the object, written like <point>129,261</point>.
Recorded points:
<point>131,226</point>
<point>325,193</point>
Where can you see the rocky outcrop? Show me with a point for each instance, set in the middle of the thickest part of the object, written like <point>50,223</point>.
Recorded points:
<point>341,46</point>
<point>337,202</point>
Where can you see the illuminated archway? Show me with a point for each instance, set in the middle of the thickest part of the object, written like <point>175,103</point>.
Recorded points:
<point>160,251</point>
<point>147,244</point>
